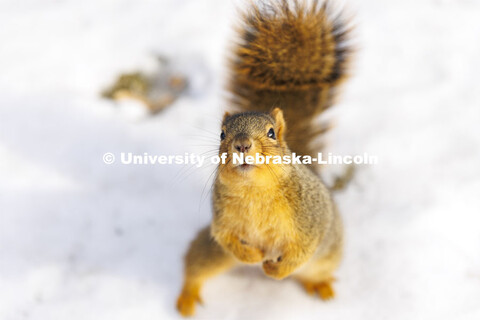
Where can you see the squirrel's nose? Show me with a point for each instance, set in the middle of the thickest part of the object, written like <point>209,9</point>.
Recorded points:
<point>242,145</point>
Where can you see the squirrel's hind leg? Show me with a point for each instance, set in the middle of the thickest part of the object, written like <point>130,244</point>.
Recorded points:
<point>204,259</point>
<point>317,275</point>
<point>324,288</point>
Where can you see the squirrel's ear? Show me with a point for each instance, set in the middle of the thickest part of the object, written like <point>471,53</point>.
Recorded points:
<point>225,116</point>
<point>280,125</point>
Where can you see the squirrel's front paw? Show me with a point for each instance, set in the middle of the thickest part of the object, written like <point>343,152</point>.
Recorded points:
<point>275,269</point>
<point>248,254</point>
<point>242,250</point>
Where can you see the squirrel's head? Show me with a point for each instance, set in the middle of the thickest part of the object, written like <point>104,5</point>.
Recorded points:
<point>251,134</point>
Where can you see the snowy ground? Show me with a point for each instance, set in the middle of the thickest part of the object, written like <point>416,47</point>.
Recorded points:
<point>83,240</point>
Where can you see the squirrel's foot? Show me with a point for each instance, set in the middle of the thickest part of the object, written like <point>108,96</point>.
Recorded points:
<point>249,254</point>
<point>187,300</point>
<point>323,288</point>
<point>245,252</point>
<point>276,269</point>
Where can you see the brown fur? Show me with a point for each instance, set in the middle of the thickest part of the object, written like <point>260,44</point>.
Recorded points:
<point>293,57</point>
<point>278,215</point>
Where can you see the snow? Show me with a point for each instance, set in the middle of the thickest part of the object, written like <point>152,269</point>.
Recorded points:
<point>80,239</point>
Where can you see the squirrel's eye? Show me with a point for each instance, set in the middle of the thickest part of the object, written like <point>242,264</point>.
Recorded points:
<point>271,133</point>
<point>222,135</point>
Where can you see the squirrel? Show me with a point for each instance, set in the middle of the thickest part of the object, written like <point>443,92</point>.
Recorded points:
<point>285,71</point>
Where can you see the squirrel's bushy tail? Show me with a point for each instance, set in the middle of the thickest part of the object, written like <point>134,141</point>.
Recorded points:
<point>293,56</point>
